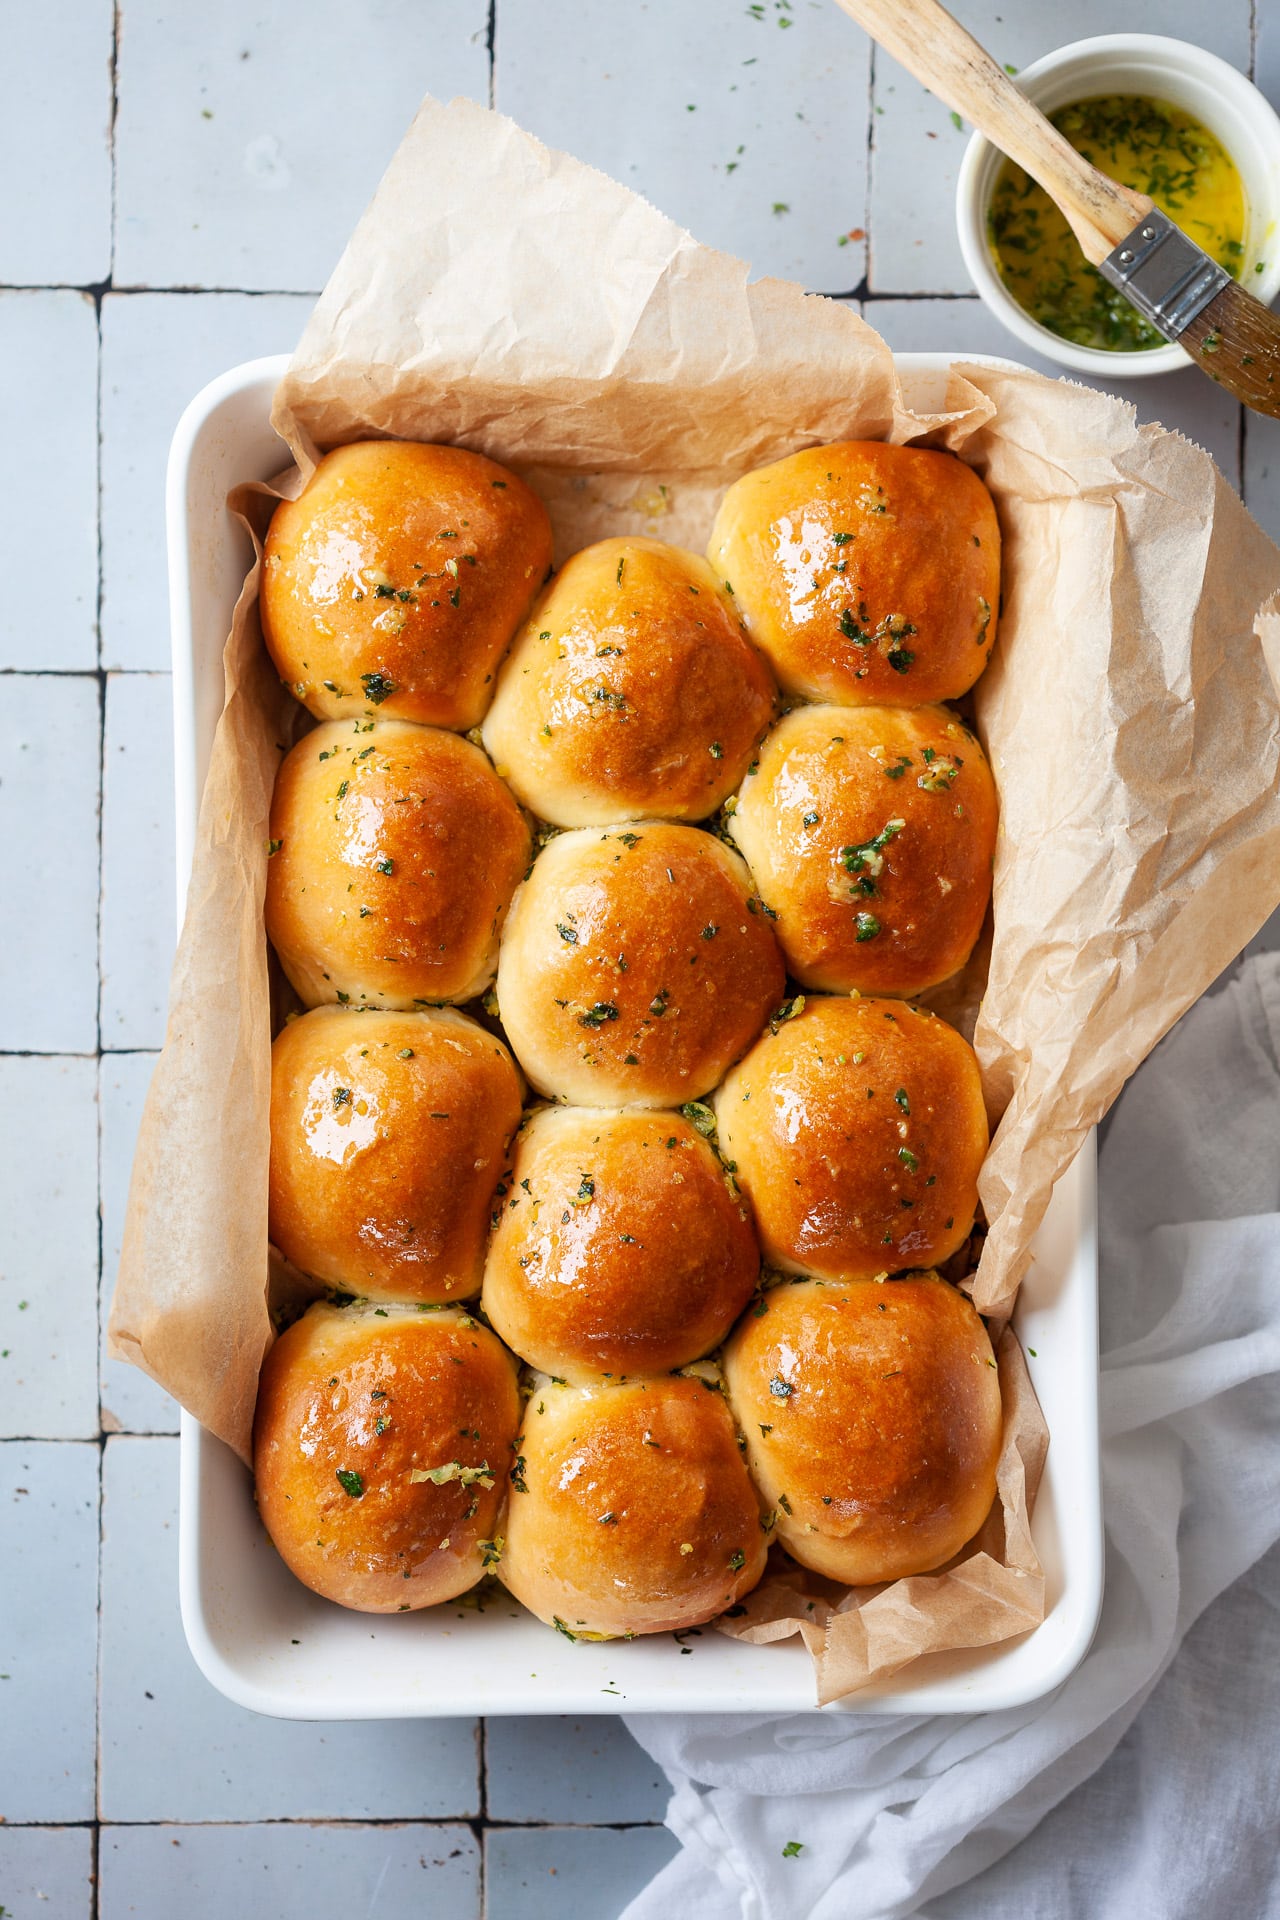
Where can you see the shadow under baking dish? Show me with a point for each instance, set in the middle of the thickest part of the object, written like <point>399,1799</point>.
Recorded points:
<point>269,1644</point>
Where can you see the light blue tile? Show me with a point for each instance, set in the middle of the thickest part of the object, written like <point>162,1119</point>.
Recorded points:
<point>48,505</point>
<point>583,1771</point>
<point>48,1631</point>
<point>48,1250</point>
<point>131,1403</point>
<point>289,1872</point>
<point>248,140</point>
<point>1185,401</point>
<point>139,924</point>
<point>719,113</point>
<point>49,746</point>
<point>158,350</point>
<point>1262,471</point>
<point>552,1873</point>
<point>233,1765</point>
<point>916,149</point>
<point>55,143</point>
<point>46,1872</point>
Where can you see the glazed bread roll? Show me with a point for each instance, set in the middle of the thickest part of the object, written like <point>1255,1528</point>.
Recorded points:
<point>857,1130</point>
<point>873,1422</point>
<point>631,691</point>
<point>870,832</point>
<point>622,1245</point>
<point>388,1136</point>
<point>631,1510</point>
<point>394,583</point>
<point>381,1448</point>
<point>865,572</point>
<point>396,852</point>
<point>635,966</point>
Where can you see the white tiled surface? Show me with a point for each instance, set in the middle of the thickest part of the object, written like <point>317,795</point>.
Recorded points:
<point>134,265</point>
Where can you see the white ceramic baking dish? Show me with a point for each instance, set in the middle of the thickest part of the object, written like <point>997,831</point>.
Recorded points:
<point>268,1643</point>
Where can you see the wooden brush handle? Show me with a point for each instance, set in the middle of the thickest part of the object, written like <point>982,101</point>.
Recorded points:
<point>935,48</point>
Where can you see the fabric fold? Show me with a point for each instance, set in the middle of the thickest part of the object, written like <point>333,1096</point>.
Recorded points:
<point>896,1817</point>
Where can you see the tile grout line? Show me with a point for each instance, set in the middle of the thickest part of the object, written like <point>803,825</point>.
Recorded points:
<point>96,1841</point>
<point>871,161</point>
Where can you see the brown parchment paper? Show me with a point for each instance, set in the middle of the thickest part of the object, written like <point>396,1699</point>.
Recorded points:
<point>508,298</point>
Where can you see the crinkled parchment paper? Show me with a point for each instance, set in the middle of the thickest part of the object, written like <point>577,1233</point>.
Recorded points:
<point>510,299</point>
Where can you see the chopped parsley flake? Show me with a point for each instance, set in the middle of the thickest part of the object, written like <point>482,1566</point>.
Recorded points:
<point>596,1016</point>
<point>865,861</point>
<point>699,1115</point>
<point>377,686</point>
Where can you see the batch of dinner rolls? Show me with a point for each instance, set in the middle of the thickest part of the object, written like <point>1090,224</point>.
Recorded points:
<point>611,1129</point>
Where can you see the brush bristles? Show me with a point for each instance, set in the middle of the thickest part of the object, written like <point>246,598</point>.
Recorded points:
<point>1236,340</point>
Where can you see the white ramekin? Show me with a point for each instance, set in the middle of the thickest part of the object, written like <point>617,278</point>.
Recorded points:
<point>1219,97</point>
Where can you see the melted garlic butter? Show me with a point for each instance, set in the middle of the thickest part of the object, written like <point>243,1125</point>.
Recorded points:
<point>1145,144</point>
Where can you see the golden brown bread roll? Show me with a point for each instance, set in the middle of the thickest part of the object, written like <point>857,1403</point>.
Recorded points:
<point>865,572</point>
<point>870,832</point>
<point>397,850</point>
<point>873,1422</point>
<point>635,966</point>
<point>857,1131</point>
<point>382,1444</point>
<point>631,691</point>
<point>388,1136</point>
<point>622,1245</point>
<point>396,580</point>
<point>631,1510</point>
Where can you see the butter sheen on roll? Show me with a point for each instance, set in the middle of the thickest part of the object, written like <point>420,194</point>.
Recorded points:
<point>397,851</point>
<point>866,573</point>
<point>631,1510</point>
<point>621,1245</point>
<point>636,964</point>
<point>382,1445</point>
<point>631,691</point>
<point>857,1130</point>
<point>873,1419</point>
<point>388,1136</point>
<point>394,583</point>
<point>870,833</point>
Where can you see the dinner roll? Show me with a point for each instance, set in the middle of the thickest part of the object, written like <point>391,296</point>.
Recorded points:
<point>396,850</point>
<point>630,692</point>
<point>635,966</point>
<point>622,1245</point>
<point>867,573</point>
<point>388,1136</point>
<point>631,1510</point>
<point>870,832</point>
<point>873,1422</point>
<point>857,1130</point>
<point>381,1448</point>
<point>396,580</point>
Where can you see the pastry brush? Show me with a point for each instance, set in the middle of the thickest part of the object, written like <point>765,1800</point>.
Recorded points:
<point>1171,281</point>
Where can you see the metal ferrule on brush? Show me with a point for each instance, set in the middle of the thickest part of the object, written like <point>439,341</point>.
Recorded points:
<point>1167,277</point>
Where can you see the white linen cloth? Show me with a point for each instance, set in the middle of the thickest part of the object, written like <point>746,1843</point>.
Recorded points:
<point>896,1817</point>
